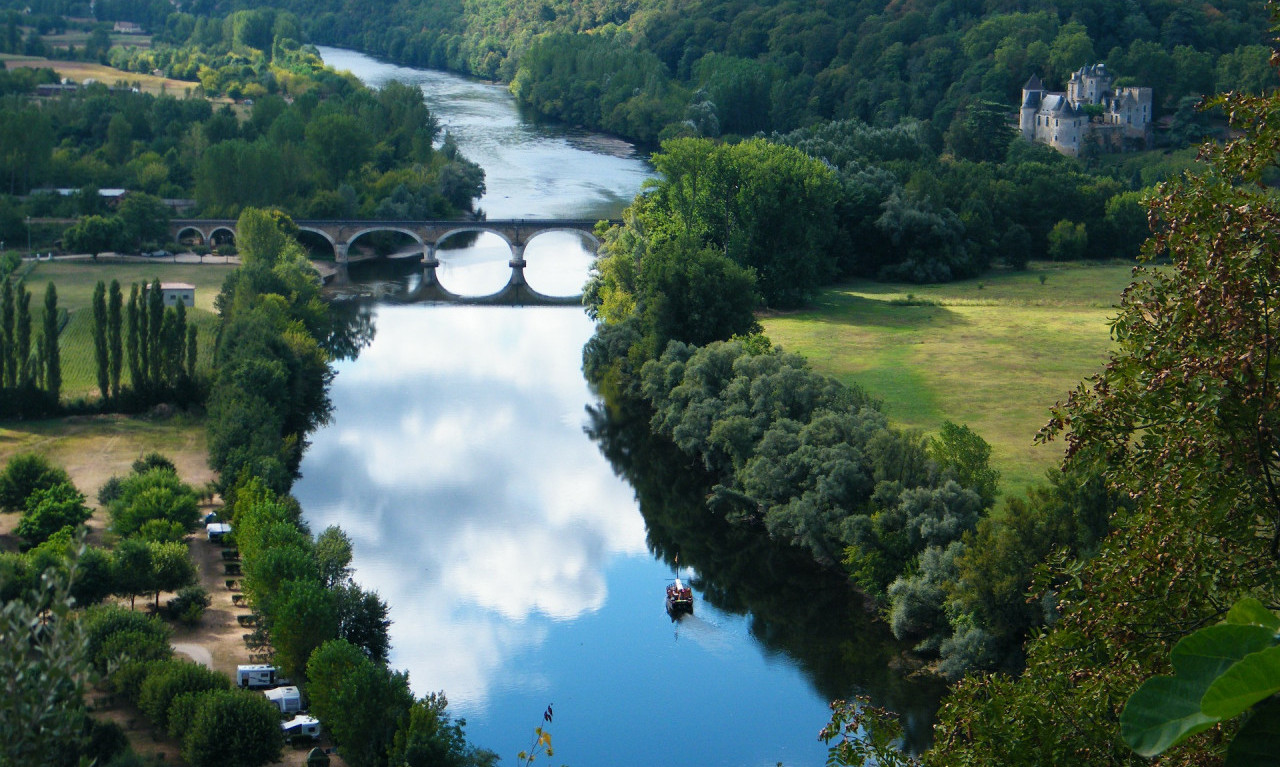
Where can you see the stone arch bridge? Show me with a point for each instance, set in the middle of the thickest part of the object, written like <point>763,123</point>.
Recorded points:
<point>428,234</point>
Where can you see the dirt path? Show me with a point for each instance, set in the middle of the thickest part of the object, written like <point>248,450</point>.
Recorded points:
<point>198,653</point>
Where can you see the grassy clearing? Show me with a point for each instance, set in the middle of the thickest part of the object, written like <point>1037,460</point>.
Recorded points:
<point>94,448</point>
<point>993,353</point>
<point>79,71</point>
<point>75,281</point>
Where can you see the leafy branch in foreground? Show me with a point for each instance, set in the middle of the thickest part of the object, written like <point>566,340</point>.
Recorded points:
<point>541,742</point>
<point>864,735</point>
<point>1220,672</point>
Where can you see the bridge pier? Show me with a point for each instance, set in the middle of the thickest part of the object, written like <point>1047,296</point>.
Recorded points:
<point>429,265</point>
<point>517,264</point>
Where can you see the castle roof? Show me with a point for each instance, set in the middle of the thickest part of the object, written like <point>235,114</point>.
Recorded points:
<point>1033,84</point>
<point>1057,102</point>
<point>1090,70</point>
<point>1033,99</point>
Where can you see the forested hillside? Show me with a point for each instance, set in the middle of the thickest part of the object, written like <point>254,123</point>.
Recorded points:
<point>652,68</point>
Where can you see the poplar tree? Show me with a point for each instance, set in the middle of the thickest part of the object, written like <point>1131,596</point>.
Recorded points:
<point>179,339</point>
<point>113,337</point>
<point>192,352</point>
<point>166,348</point>
<point>100,339</point>
<point>131,340</point>
<point>8,353</point>
<point>155,322</point>
<point>144,348</point>
<point>22,336</point>
<point>53,359</point>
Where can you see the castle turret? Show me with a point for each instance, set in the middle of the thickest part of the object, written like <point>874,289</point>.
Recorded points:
<point>1032,93</point>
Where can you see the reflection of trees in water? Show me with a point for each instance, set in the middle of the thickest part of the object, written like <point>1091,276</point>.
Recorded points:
<point>810,614</point>
<point>351,328</point>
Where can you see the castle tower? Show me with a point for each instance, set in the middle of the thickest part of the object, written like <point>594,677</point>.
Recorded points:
<point>1032,93</point>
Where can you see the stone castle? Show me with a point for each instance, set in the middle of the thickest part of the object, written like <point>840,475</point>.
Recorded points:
<point>1064,121</point>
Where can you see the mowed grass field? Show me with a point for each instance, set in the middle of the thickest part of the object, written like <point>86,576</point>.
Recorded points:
<point>79,71</point>
<point>993,353</point>
<point>75,280</point>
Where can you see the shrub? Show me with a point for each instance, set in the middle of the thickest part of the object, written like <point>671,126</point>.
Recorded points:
<point>167,680</point>
<point>233,727</point>
<point>153,460</point>
<point>154,494</point>
<point>109,491</point>
<point>115,634</point>
<point>24,474</point>
<point>189,605</point>
<point>51,509</point>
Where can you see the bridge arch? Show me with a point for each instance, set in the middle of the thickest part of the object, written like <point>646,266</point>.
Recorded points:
<point>399,229</point>
<point>322,234</point>
<point>580,233</point>
<point>478,227</point>
<point>219,231</point>
<point>184,231</point>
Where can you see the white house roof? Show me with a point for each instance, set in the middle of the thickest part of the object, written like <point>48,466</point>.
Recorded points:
<point>177,286</point>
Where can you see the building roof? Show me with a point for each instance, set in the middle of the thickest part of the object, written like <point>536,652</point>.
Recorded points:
<point>177,286</point>
<point>1033,84</point>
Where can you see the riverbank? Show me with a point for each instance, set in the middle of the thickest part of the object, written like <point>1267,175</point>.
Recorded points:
<point>993,353</point>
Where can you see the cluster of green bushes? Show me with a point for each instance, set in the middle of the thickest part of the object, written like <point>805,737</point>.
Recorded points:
<point>214,723</point>
<point>909,213</point>
<point>139,223</point>
<point>151,512</point>
<point>45,660</point>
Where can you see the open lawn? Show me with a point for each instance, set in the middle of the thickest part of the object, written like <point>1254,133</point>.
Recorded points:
<point>75,280</point>
<point>993,353</point>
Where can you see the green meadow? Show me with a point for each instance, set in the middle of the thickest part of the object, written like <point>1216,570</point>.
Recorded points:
<point>75,280</point>
<point>993,353</point>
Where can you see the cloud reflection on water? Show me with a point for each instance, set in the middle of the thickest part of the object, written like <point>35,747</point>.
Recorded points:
<point>477,508</point>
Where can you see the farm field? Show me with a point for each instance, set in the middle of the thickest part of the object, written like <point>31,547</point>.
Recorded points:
<point>993,353</point>
<point>79,71</point>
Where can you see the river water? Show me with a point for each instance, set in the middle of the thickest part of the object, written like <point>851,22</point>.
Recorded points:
<point>498,510</point>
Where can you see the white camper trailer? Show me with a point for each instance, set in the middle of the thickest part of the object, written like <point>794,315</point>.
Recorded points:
<point>287,699</point>
<point>259,675</point>
<point>301,727</point>
<point>217,531</point>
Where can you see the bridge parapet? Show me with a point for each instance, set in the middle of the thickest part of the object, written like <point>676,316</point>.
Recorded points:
<point>340,233</point>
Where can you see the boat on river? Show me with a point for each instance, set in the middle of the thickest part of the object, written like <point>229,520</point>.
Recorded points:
<point>679,598</point>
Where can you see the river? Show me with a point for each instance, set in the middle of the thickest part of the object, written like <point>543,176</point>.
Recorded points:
<point>497,509</point>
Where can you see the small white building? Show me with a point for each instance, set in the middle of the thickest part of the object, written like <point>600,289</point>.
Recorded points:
<point>255,675</point>
<point>173,292</point>
<point>287,699</point>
